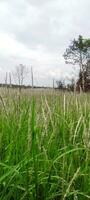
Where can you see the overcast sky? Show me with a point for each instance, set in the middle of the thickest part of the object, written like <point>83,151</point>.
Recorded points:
<point>37,32</point>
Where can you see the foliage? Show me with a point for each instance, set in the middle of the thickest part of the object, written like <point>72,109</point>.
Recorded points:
<point>86,76</point>
<point>60,84</point>
<point>78,52</point>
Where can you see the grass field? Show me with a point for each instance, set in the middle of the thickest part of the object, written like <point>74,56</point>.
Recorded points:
<point>44,145</point>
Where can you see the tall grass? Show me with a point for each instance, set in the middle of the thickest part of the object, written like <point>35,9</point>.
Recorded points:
<point>44,146</point>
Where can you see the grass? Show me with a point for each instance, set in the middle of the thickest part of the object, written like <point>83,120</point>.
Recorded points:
<point>44,146</point>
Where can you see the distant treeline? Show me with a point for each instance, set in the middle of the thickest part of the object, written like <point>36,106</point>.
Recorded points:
<point>16,86</point>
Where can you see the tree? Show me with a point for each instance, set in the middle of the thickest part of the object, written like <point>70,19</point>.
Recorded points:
<point>86,78</point>
<point>32,76</point>
<point>60,84</point>
<point>21,72</point>
<point>71,86</point>
<point>78,53</point>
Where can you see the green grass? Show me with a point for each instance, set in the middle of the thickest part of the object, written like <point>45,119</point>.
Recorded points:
<point>44,146</point>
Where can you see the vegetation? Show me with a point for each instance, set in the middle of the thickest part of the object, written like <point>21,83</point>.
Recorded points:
<point>44,145</point>
<point>79,53</point>
<point>86,76</point>
<point>45,134</point>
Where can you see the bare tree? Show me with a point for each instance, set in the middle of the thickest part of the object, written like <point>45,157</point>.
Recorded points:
<point>53,83</point>
<point>20,74</point>
<point>10,79</point>
<point>6,78</point>
<point>32,76</point>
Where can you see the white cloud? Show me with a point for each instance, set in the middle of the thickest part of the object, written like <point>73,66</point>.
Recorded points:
<point>37,32</point>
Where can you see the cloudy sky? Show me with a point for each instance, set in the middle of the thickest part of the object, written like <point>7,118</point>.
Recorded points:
<point>37,32</point>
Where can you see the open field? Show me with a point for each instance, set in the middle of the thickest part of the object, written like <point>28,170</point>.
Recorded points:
<point>44,145</point>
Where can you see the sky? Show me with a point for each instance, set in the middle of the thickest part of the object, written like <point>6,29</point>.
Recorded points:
<point>37,32</point>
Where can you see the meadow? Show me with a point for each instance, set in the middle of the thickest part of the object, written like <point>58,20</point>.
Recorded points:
<point>44,145</point>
